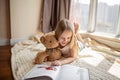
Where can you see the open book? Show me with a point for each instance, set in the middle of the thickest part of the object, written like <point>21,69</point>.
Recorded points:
<point>64,72</point>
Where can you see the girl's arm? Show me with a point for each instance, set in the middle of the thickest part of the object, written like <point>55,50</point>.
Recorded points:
<point>71,58</point>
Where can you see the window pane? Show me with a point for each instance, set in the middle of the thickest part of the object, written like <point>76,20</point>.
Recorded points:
<point>79,13</point>
<point>107,16</point>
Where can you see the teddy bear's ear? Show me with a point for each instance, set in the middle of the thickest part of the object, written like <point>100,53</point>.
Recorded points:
<point>42,39</point>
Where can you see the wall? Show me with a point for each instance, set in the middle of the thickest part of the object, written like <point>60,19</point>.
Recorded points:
<point>25,18</point>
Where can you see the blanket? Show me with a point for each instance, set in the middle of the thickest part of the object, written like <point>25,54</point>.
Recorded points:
<point>102,66</point>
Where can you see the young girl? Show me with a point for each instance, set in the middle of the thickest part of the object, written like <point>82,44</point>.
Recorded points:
<point>64,33</point>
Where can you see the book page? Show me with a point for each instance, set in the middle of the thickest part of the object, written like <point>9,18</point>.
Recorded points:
<point>43,70</point>
<point>69,72</point>
<point>84,74</point>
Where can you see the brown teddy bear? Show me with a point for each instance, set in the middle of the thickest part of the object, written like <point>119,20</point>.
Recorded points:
<point>51,53</point>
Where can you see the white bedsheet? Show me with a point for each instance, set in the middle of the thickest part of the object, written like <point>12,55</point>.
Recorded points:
<point>23,54</point>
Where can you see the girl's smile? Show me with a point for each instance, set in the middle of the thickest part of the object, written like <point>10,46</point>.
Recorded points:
<point>65,38</point>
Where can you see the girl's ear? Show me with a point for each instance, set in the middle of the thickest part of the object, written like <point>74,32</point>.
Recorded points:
<point>42,39</point>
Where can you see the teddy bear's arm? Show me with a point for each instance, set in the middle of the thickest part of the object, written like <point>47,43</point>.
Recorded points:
<point>54,55</point>
<point>41,57</point>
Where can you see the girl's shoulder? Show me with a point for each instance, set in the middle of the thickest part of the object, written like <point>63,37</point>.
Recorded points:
<point>65,50</point>
<point>65,47</point>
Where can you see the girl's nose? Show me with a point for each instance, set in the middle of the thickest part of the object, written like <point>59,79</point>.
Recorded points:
<point>65,39</point>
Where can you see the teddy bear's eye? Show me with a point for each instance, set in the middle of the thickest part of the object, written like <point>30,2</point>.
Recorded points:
<point>50,41</point>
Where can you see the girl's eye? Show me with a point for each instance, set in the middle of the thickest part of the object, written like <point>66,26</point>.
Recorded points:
<point>68,38</point>
<point>62,38</point>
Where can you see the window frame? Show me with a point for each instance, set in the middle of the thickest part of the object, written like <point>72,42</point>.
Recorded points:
<point>93,16</point>
<point>118,27</point>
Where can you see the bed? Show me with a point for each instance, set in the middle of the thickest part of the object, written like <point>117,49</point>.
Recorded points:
<point>101,65</point>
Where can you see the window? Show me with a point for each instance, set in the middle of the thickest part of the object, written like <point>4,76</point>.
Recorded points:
<point>107,16</point>
<point>80,12</point>
<point>102,16</point>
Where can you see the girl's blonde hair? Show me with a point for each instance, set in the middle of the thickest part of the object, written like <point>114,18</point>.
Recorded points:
<point>63,25</point>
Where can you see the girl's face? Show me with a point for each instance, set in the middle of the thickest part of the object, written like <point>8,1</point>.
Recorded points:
<point>65,38</point>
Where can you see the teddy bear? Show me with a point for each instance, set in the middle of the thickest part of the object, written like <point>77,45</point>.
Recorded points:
<point>51,53</point>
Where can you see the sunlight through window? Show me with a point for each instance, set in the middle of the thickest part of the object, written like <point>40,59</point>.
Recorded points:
<point>107,16</point>
<point>80,12</point>
<point>110,2</point>
<point>91,57</point>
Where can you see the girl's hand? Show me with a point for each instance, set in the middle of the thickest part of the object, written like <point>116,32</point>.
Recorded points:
<point>56,63</point>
